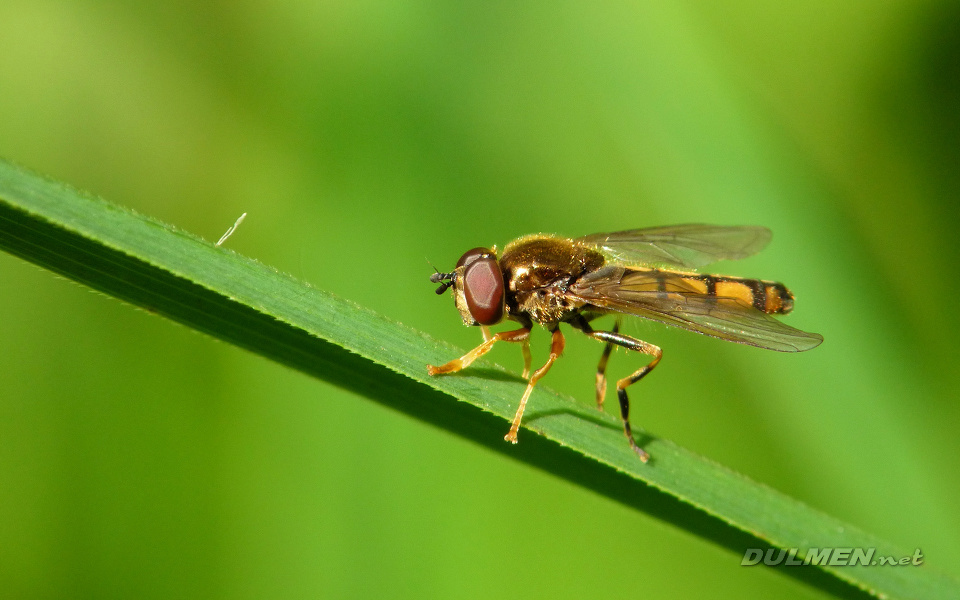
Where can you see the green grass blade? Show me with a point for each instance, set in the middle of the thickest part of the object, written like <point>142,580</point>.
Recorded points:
<point>243,302</point>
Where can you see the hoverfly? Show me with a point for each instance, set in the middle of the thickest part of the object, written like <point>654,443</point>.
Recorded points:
<point>647,273</point>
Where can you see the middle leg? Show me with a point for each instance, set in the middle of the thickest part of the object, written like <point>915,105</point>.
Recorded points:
<point>602,369</point>
<point>556,348</point>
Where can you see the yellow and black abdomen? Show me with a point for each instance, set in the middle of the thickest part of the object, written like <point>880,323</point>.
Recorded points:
<point>769,296</point>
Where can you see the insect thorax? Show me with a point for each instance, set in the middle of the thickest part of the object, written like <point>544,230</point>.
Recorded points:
<point>539,269</point>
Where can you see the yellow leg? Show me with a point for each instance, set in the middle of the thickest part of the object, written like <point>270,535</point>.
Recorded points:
<point>556,348</point>
<point>527,359</point>
<point>517,335</point>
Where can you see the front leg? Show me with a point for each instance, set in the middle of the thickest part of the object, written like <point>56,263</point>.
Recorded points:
<point>521,335</point>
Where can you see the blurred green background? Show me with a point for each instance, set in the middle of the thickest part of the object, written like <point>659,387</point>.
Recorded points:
<point>138,458</point>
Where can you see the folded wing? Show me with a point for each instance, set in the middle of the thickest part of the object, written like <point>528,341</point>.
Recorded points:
<point>615,288</point>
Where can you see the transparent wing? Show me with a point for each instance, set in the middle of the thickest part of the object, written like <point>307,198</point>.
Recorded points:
<point>625,291</point>
<point>679,246</point>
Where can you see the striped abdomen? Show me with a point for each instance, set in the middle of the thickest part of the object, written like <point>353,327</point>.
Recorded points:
<point>769,296</point>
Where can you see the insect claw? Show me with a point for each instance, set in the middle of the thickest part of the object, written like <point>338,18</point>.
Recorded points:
<point>644,457</point>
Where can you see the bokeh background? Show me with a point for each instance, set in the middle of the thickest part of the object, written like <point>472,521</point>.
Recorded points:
<point>141,459</point>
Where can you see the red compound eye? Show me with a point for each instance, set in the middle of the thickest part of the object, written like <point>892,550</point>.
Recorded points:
<point>483,286</point>
<point>471,255</point>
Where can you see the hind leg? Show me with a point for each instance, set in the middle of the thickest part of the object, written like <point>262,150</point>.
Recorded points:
<point>630,343</point>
